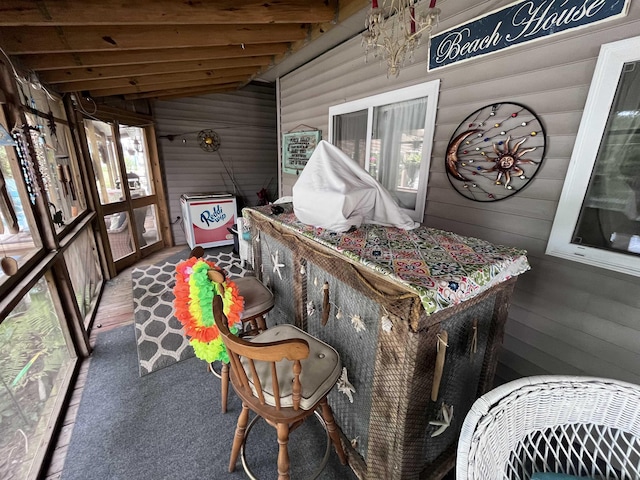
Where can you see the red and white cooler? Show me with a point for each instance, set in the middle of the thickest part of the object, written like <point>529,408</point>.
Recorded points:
<point>207,218</point>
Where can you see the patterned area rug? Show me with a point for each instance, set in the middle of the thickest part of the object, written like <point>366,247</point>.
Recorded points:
<point>159,336</point>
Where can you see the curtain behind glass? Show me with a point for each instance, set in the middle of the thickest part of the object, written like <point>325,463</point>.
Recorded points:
<point>351,135</point>
<point>610,216</point>
<point>398,132</point>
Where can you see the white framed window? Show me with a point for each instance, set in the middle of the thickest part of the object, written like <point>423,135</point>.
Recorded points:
<point>598,218</point>
<point>390,135</point>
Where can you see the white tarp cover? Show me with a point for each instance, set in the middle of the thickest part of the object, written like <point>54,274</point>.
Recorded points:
<point>335,193</point>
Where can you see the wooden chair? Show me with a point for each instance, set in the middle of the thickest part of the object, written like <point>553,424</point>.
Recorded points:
<point>258,301</point>
<point>283,375</point>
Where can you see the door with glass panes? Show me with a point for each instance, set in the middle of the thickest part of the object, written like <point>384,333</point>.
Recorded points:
<point>126,189</point>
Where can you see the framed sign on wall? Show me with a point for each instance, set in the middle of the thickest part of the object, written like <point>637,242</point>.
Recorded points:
<point>297,148</point>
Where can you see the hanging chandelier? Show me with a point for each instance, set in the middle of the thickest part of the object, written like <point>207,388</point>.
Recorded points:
<point>394,30</point>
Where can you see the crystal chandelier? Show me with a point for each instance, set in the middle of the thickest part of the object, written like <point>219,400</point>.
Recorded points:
<point>394,30</point>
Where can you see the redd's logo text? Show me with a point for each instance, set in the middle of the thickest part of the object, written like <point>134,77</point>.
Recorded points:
<point>215,215</point>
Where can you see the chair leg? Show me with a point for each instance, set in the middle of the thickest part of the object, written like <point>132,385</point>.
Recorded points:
<point>224,385</point>
<point>239,436</point>
<point>327,414</point>
<point>283,451</point>
<point>262,325</point>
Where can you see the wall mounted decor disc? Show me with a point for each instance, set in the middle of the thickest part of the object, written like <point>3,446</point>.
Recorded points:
<point>495,152</point>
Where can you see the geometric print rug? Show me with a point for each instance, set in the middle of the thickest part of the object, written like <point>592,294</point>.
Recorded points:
<point>159,337</point>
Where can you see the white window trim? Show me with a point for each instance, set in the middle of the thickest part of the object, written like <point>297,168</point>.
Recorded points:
<point>594,120</point>
<point>427,89</point>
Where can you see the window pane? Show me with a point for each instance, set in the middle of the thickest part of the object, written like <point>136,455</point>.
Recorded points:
<point>350,135</point>
<point>146,225</point>
<point>610,215</point>
<point>19,237</point>
<point>136,159</point>
<point>34,360</point>
<point>84,269</point>
<point>59,170</point>
<point>102,147</point>
<point>119,233</point>
<point>398,133</point>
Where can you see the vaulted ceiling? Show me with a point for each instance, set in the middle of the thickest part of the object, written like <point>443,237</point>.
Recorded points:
<point>161,48</point>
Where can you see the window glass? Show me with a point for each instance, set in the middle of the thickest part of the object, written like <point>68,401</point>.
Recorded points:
<point>102,148</point>
<point>19,238</point>
<point>84,270</point>
<point>58,169</point>
<point>598,217</point>
<point>136,160</point>
<point>350,135</point>
<point>396,148</point>
<point>146,225</point>
<point>610,215</point>
<point>390,135</point>
<point>119,233</point>
<point>34,359</point>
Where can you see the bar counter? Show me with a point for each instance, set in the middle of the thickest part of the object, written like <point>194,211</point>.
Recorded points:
<point>417,317</point>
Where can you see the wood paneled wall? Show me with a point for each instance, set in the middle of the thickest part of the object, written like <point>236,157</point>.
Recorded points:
<point>246,123</point>
<point>565,317</point>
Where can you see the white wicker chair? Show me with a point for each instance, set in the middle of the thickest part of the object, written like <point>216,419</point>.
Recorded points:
<point>582,426</point>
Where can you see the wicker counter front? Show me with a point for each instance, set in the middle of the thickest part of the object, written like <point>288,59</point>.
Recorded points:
<point>392,370</point>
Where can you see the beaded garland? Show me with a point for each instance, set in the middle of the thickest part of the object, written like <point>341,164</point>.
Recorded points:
<point>193,304</point>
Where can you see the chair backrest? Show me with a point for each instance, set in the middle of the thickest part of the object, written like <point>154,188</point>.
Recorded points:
<point>582,426</point>
<point>243,356</point>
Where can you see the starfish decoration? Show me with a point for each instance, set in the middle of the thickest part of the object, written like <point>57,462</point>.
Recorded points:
<point>311,308</point>
<point>446,413</point>
<point>345,386</point>
<point>387,324</point>
<point>276,264</point>
<point>358,323</point>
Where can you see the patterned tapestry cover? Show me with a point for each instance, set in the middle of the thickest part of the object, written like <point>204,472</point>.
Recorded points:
<point>443,268</point>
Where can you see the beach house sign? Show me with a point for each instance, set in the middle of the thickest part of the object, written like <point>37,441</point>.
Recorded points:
<point>518,23</point>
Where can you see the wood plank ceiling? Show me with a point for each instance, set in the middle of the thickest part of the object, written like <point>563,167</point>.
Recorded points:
<point>159,48</point>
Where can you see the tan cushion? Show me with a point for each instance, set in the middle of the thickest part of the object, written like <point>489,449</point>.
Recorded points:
<point>320,370</point>
<point>258,299</point>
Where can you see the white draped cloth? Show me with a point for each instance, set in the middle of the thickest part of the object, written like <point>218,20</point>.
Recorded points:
<point>335,193</point>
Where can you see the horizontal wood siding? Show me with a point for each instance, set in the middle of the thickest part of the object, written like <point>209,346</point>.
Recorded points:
<point>246,123</point>
<point>565,317</point>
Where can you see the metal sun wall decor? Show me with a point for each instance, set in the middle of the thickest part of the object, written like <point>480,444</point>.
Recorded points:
<point>495,152</point>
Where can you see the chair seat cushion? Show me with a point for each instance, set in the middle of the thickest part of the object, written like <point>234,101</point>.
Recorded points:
<point>258,299</point>
<point>320,370</point>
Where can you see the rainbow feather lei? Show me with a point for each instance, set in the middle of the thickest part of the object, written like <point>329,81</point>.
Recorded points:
<point>193,306</point>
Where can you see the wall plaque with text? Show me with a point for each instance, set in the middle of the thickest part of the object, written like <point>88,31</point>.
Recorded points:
<point>297,148</point>
<point>518,23</point>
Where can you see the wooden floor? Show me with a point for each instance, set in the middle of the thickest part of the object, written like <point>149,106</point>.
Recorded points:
<point>115,309</point>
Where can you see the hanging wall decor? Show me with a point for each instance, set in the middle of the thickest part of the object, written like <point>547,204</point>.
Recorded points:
<point>495,152</point>
<point>297,148</point>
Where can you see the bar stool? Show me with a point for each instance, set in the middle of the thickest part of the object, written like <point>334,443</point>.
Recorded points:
<point>258,301</point>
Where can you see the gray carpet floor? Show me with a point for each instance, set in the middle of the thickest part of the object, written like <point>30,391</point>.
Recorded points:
<point>168,425</point>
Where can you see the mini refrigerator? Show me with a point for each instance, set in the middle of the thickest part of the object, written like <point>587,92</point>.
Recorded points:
<point>207,218</point>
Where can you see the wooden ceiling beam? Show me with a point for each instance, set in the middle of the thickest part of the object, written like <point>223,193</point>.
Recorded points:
<point>184,92</point>
<point>347,9</point>
<point>53,77</point>
<point>20,41</point>
<point>55,61</point>
<point>124,90</point>
<point>140,12</point>
<point>144,80</point>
